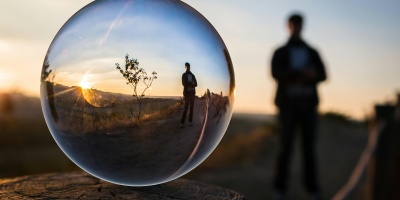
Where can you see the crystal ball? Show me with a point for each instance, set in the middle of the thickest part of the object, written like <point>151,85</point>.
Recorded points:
<point>137,92</point>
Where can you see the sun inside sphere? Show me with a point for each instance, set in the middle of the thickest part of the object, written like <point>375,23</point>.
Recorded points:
<point>85,84</point>
<point>137,92</point>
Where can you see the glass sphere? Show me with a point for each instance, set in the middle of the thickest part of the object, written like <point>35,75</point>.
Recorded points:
<point>116,83</point>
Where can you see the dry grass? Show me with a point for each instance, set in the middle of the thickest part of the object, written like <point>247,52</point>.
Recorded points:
<point>239,148</point>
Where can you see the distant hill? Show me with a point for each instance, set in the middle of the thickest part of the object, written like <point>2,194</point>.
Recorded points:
<point>256,116</point>
<point>75,92</point>
<point>20,106</point>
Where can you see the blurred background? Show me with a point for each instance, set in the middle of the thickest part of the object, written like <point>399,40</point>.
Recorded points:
<point>359,43</point>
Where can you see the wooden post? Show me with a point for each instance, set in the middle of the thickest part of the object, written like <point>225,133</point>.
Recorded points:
<point>384,170</point>
<point>80,185</point>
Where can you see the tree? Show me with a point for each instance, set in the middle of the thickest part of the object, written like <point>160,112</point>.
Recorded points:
<point>47,79</point>
<point>135,75</point>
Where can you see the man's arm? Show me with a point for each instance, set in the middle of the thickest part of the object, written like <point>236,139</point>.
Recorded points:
<point>184,80</point>
<point>195,81</point>
<point>320,67</point>
<point>315,73</point>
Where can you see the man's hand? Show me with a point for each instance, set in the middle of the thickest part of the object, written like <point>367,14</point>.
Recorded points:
<point>310,74</point>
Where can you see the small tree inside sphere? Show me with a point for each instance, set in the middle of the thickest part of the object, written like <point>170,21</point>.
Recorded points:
<point>134,76</point>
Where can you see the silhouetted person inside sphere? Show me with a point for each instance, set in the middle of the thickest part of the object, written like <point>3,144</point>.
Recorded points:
<point>297,69</point>
<point>189,83</point>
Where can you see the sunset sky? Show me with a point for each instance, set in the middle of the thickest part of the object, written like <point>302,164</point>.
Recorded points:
<point>160,36</point>
<point>358,41</point>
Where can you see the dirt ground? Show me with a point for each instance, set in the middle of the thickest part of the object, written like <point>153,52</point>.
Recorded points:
<point>339,147</point>
<point>154,151</point>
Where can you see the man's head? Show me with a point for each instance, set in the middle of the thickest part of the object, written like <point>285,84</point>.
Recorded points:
<point>187,66</point>
<point>295,24</point>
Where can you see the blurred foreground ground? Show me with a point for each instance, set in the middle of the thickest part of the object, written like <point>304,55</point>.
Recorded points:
<point>251,144</point>
<point>244,160</point>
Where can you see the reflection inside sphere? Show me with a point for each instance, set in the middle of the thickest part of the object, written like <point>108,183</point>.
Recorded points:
<point>115,86</point>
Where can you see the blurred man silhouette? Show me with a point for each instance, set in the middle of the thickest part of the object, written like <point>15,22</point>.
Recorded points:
<point>297,69</point>
<point>189,83</point>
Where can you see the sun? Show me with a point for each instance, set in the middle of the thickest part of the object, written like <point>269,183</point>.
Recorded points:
<point>85,84</point>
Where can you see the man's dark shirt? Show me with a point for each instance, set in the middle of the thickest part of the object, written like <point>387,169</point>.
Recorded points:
<point>188,86</point>
<point>288,78</point>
